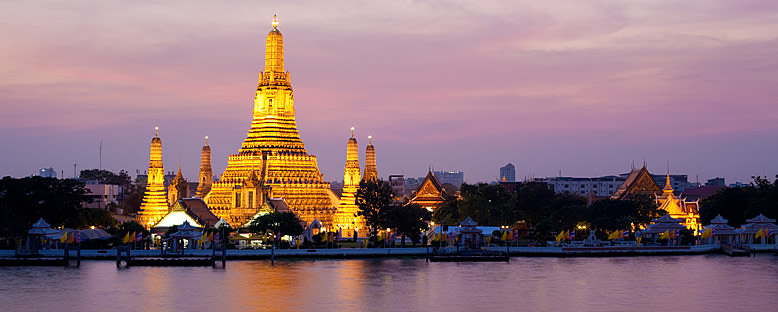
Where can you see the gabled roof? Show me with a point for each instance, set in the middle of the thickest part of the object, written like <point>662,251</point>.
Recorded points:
<point>430,186</point>
<point>760,219</point>
<point>197,208</point>
<point>637,181</point>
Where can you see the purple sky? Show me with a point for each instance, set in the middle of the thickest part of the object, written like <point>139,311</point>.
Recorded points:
<point>585,87</point>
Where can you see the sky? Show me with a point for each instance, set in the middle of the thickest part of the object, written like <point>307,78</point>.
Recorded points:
<point>581,88</point>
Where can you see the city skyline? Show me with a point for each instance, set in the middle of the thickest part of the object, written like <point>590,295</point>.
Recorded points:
<point>587,89</point>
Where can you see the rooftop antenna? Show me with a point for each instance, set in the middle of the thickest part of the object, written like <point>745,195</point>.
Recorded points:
<point>101,154</point>
<point>74,171</point>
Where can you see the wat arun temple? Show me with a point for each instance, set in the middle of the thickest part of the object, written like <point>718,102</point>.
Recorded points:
<point>271,166</point>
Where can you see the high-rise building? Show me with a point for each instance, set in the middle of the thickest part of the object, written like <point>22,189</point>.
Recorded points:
<point>206,173</point>
<point>508,173</point>
<point>346,219</point>
<point>397,181</point>
<point>154,205</point>
<point>272,161</point>
<point>455,178</point>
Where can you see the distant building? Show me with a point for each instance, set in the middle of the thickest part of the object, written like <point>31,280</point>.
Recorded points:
<point>397,181</point>
<point>716,182</point>
<point>47,173</point>
<point>598,186</point>
<point>411,184</point>
<point>606,186</point>
<point>455,178</point>
<point>102,195</point>
<point>508,173</point>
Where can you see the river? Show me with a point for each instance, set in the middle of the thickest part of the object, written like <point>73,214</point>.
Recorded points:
<point>680,283</point>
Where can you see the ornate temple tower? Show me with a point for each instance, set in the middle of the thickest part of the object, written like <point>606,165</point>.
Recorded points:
<point>178,188</point>
<point>371,173</point>
<point>346,218</point>
<point>206,173</point>
<point>154,205</point>
<point>272,161</point>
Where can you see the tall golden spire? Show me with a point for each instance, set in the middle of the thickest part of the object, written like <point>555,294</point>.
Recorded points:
<point>178,188</point>
<point>346,218</point>
<point>273,154</point>
<point>668,185</point>
<point>154,205</point>
<point>206,173</point>
<point>371,173</point>
<point>274,49</point>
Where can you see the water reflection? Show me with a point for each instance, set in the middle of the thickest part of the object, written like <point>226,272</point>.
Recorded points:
<point>693,283</point>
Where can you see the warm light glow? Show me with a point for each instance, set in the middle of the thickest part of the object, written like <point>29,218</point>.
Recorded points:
<point>92,227</point>
<point>275,21</point>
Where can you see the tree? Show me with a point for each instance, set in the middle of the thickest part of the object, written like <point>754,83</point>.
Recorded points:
<point>373,198</point>
<point>23,201</point>
<point>447,212</point>
<point>107,177</point>
<point>408,220</point>
<point>284,223</point>
<point>741,203</point>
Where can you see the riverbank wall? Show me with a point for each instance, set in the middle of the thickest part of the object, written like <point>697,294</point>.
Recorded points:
<point>350,253</point>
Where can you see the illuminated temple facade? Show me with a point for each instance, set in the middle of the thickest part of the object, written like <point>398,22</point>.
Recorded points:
<point>155,204</point>
<point>272,161</point>
<point>678,208</point>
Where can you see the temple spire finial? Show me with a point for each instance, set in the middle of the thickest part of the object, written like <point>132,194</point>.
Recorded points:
<point>156,131</point>
<point>206,140</point>
<point>369,139</point>
<point>275,21</point>
<point>352,132</point>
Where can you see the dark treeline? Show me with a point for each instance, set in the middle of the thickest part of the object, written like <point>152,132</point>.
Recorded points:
<point>543,210</point>
<point>380,211</point>
<point>738,204</point>
<point>59,201</point>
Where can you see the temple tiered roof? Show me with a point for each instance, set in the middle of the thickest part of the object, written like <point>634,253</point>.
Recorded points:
<point>274,153</point>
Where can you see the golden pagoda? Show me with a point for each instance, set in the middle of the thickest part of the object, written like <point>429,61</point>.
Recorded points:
<point>371,173</point>
<point>272,161</point>
<point>678,208</point>
<point>155,205</point>
<point>206,173</point>
<point>178,188</point>
<point>346,219</point>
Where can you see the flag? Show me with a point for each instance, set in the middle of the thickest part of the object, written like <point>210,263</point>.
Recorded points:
<point>559,236</point>
<point>758,234</point>
<point>437,237</point>
<point>126,238</point>
<point>216,237</point>
<point>330,236</point>
<point>77,236</point>
<point>488,240</point>
<point>210,237</point>
<point>71,237</point>
<point>614,235</point>
<point>572,235</point>
<point>677,233</point>
<point>63,238</point>
<point>139,237</point>
<point>504,236</point>
<point>566,236</point>
<point>770,232</point>
<point>666,234</point>
<point>132,237</point>
<point>625,235</point>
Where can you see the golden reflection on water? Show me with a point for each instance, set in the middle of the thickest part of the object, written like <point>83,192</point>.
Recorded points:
<point>687,283</point>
